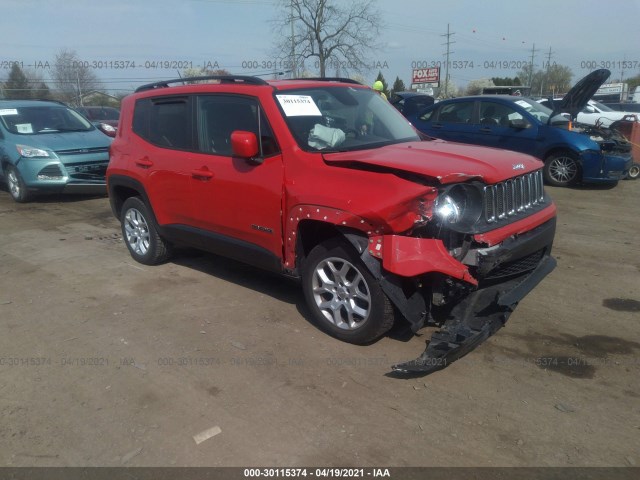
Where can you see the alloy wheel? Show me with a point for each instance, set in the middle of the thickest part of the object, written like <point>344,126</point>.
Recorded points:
<point>341,293</point>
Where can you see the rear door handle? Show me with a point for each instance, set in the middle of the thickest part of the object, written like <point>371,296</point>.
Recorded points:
<point>144,162</point>
<point>202,174</point>
<point>485,130</point>
<point>436,125</point>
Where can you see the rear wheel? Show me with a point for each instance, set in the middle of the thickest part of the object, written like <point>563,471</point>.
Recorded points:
<point>561,169</point>
<point>345,300</point>
<point>15,184</point>
<point>140,235</point>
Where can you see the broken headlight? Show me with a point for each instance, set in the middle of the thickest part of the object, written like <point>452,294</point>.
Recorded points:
<point>459,206</point>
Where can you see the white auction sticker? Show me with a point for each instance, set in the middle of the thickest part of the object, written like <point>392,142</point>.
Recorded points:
<point>522,103</point>
<point>8,111</point>
<point>298,105</point>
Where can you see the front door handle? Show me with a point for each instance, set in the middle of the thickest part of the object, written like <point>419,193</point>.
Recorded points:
<point>202,173</point>
<point>485,130</point>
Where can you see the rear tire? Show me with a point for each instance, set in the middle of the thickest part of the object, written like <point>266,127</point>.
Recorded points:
<point>15,184</point>
<point>140,235</point>
<point>561,169</point>
<point>346,301</point>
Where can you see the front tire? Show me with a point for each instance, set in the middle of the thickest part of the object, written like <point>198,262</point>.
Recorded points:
<point>15,184</point>
<point>346,301</point>
<point>140,235</point>
<point>634,172</point>
<point>561,169</point>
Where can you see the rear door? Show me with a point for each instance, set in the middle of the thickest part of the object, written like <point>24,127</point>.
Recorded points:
<point>162,162</point>
<point>453,121</point>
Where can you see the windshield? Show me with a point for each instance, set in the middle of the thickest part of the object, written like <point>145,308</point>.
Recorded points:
<point>534,108</point>
<point>43,119</point>
<point>342,118</point>
<point>602,107</point>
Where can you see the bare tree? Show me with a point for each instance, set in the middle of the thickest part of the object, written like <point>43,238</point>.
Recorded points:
<point>554,80</point>
<point>73,77</point>
<point>335,34</point>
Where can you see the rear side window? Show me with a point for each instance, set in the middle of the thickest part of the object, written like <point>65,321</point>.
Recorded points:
<point>165,122</point>
<point>459,112</point>
<point>220,115</point>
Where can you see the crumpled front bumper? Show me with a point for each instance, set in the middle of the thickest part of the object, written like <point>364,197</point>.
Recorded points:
<point>505,265</point>
<point>473,320</point>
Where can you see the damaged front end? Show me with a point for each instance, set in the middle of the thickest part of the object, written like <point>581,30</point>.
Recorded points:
<point>612,160</point>
<point>474,254</point>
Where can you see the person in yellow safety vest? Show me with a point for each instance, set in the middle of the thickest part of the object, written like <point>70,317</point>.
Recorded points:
<point>379,87</point>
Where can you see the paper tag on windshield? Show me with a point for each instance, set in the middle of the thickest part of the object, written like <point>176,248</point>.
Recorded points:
<point>24,128</point>
<point>8,111</point>
<point>522,103</point>
<point>298,105</point>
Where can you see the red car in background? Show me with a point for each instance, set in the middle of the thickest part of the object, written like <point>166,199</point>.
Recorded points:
<point>102,118</point>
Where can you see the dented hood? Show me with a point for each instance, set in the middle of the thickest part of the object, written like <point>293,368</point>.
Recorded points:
<point>446,162</point>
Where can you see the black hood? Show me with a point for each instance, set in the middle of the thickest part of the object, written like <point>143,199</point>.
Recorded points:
<point>576,99</point>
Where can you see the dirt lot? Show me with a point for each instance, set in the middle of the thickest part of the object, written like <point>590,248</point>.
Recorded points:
<point>108,362</point>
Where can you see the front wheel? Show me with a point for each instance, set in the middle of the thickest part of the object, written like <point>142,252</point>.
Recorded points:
<point>634,171</point>
<point>15,184</point>
<point>140,235</point>
<point>561,169</point>
<point>345,299</point>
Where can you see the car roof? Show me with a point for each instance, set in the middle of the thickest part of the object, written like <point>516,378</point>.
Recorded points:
<point>239,81</point>
<point>30,103</point>
<point>411,94</point>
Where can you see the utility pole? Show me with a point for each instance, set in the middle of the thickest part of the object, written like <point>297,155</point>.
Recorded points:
<point>448,43</point>
<point>79,90</point>
<point>533,54</point>
<point>547,75</point>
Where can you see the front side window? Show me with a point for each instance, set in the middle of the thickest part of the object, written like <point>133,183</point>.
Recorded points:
<point>220,115</point>
<point>493,113</point>
<point>40,119</point>
<point>338,118</point>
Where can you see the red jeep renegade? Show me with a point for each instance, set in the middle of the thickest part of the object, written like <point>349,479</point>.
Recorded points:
<point>324,181</point>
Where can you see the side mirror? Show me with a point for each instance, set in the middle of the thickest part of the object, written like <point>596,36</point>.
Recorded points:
<point>244,144</point>
<point>519,124</point>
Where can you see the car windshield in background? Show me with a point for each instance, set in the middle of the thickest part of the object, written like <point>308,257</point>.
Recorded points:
<point>342,118</point>
<point>100,113</point>
<point>602,107</point>
<point>45,119</point>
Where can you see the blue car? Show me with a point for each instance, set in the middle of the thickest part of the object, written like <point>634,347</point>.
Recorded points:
<point>46,147</point>
<point>571,152</point>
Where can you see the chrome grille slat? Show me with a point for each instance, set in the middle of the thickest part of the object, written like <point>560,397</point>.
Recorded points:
<point>513,196</point>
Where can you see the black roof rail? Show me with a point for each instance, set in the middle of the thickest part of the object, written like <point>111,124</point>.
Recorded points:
<point>331,79</point>
<point>223,79</point>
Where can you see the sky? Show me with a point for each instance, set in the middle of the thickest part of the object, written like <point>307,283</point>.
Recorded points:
<point>489,37</point>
